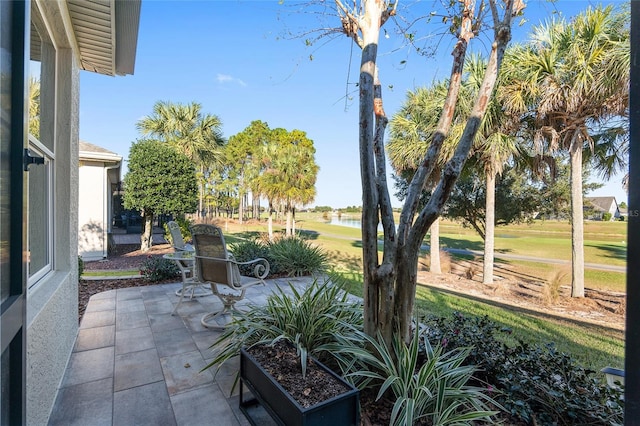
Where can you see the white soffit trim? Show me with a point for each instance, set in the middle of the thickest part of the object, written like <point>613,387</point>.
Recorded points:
<point>102,33</point>
<point>94,26</point>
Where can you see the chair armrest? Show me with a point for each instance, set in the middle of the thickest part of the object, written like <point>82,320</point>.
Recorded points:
<point>260,270</point>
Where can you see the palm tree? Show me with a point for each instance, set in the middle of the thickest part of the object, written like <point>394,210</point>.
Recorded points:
<point>563,84</point>
<point>197,135</point>
<point>411,130</point>
<point>244,157</point>
<point>289,174</point>
<point>493,148</point>
<point>412,127</point>
<point>34,107</point>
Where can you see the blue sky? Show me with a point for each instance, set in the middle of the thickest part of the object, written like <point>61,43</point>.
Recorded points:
<point>236,59</point>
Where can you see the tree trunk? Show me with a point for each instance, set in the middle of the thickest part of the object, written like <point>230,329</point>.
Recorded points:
<point>577,225</point>
<point>293,221</point>
<point>434,247</point>
<point>201,191</point>
<point>147,232</point>
<point>489,228</point>
<point>289,220</point>
<point>389,284</point>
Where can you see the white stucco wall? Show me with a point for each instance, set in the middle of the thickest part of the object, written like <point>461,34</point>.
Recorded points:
<point>92,230</point>
<point>52,303</point>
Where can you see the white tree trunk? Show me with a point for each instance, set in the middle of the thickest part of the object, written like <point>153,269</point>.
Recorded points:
<point>489,228</point>
<point>434,247</point>
<point>288,225</point>
<point>270,222</point>
<point>577,225</point>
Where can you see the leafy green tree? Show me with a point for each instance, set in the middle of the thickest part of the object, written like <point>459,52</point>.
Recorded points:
<point>516,200</point>
<point>244,159</point>
<point>569,80</point>
<point>160,180</point>
<point>196,135</point>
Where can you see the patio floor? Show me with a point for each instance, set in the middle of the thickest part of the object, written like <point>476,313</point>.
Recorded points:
<point>135,364</point>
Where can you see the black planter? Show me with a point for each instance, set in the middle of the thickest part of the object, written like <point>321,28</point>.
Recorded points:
<point>343,409</point>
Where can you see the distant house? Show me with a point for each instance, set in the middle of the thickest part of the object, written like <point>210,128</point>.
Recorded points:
<point>596,207</point>
<point>99,174</point>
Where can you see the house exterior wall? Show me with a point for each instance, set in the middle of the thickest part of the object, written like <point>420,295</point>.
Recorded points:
<point>52,303</point>
<point>93,211</point>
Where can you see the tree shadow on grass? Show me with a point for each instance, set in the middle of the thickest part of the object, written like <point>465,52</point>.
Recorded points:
<point>446,242</point>
<point>308,235</point>
<point>610,251</point>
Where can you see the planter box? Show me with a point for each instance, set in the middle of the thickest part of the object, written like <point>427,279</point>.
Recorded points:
<point>343,409</point>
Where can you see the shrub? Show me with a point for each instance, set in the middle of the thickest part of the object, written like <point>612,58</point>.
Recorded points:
<point>80,267</point>
<point>246,251</point>
<point>296,257</point>
<point>157,268</point>
<point>551,288</point>
<point>535,384</point>
<point>291,256</point>
<point>606,216</point>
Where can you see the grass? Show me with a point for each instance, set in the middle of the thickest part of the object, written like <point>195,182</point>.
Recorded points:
<point>540,239</point>
<point>590,345</point>
<point>114,273</point>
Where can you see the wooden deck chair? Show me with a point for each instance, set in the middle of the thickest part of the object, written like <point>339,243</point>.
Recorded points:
<point>216,266</point>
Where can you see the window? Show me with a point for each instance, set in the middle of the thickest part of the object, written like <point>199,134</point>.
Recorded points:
<point>40,208</point>
<point>41,178</point>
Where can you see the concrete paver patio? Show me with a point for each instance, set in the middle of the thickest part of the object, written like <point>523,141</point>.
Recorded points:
<point>135,364</point>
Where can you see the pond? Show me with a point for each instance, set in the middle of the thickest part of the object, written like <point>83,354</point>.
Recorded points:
<point>349,220</point>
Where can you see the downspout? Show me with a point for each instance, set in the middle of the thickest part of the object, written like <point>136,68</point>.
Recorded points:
<point>108,197</point>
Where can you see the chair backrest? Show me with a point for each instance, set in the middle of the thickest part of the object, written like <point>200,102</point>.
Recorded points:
<point>211,262</point>
<point>176,236</point>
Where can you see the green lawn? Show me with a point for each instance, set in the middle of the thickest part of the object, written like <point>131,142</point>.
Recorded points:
<point>591,346</point>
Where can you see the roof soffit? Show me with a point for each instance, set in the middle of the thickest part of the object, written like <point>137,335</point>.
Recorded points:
<point>102,33</point>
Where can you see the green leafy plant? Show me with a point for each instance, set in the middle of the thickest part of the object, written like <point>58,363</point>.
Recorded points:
<point>157,268</point>
<point>80,266</point>
<point>426,382</point>
<point>310,320</point>
<point>246,251</point>
<point>297,257</point>
<point>535,384</point>
<point>291,256</point>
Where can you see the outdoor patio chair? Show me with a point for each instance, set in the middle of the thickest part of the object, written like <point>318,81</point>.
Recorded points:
<point>177,241</point>
<point>190,285</point>
<point>216,266</point>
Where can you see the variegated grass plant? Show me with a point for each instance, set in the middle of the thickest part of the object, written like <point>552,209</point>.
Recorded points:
<point>311,320</point>
<point>425,381</point>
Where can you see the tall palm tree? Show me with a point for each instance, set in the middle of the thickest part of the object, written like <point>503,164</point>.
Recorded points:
<point>411,130</point>
<point>197,135</point>
<point>493,148</point>
<point>412,127</point>
<point>290,172</point>
<point>563,84</point>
